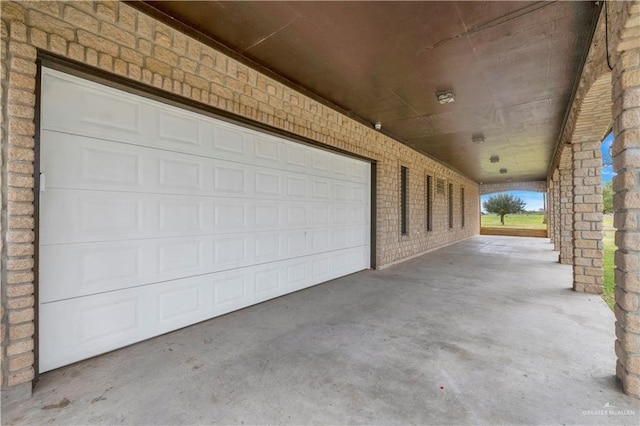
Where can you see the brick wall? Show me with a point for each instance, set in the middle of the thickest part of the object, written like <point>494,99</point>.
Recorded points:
<point>535,186</point>
<point>626,163</point>
<point>116,38</point>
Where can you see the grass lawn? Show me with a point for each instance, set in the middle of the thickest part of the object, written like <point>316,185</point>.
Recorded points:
<point>609,250</point>
<point>521,221</point>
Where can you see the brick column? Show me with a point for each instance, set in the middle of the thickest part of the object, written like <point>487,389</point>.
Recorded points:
<point>550,210</point>
<point>587,217</point>
<point>566,215</point>
<point>556,210</point>
<point>626,163</point>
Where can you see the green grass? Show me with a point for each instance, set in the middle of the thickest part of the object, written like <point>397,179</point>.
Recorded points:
<point>520,221</point>
<point>608,266</point>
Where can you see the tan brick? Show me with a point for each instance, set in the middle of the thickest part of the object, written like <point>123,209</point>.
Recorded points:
<point>629,342</point>
<point>107,10</point>
<point>631,384</point>
<point>135,72</point>
<point>20,362</point>
<point>22,81</point>
<point>23,97</point>
<point>20,236</point>
<point>23,50</point>
<point>127,17</point>
<point>20,302</point>
<point>98,43</point>
<point>76,52</point>
<point>19,264</point>
<point>162,39</point>
<point>145,26</point>
<point>21,315</point>
<point>26,128</point>
<point>18,208</point>
<point>21,347</point>
<point>18,378</point>
<point>12,11</point>
<point>19,290</point>
<point>118,35</point>
<point>188,65</point>
<point>627,301</point>
<point>38,38</point>
<point>158,67</point>
<point>57,44</point>
<point>165,55</point>
<point>131,56</point>
<point>91,57</point>
<point>51,25</point>
<point>22,331</point>
<point>18,31</point>
<point>20,250</point>
<point>195,81</point>
<point>632,323</point>
<point>20,222</point>
<point>20,111</point>
<point>105,61</point>
<point>80,18</point>
<point>209,74</point>
<point>19,181</point>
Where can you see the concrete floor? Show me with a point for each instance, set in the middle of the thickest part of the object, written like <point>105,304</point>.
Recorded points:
<point>483,332</point>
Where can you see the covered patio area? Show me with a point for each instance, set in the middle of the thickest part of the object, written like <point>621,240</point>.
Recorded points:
<point>486,331</point>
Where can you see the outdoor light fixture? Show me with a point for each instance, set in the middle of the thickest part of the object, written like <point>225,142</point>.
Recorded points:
<point>494,159</point>
<point>477,138</point>
<point>445,97</point>
<point>503,171</point>
<point>377,126</point>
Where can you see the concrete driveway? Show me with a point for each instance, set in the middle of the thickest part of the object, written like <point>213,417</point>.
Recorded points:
<point>486,331</point>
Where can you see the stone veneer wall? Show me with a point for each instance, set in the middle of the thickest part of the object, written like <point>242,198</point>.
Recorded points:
<point>116,38</point>
<point>625,27</point>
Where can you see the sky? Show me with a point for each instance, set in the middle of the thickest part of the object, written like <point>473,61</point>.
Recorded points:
<point>535,201</point>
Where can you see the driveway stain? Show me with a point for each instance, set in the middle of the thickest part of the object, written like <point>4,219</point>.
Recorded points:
<point>60,404</point>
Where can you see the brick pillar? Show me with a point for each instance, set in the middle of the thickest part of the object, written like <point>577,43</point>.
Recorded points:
<point>626,163</point>
<point>556,208</point>
<point>587,217</point>
<point>566,216</point>
<point>550,210</point>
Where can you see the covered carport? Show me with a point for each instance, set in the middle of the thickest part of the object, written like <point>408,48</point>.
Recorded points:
<point>165,163</point>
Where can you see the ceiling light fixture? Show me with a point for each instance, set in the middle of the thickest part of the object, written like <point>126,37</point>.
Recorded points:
<point>494,159</point>
<point>445,97</point>
<point>477,138</point>
<point>377,126</point>
<point>503,171</point>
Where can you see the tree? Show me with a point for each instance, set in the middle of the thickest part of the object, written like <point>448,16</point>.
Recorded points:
<point>504,204</point>
<point>607,198</point>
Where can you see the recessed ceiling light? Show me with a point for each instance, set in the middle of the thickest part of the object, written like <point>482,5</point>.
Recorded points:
<point>477,138</point>
<point>503,171</point>
<point>445,97</point>
<point>494,159</point>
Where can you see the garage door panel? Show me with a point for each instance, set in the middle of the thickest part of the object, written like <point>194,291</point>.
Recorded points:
<point>71,270</point>
<point>179,131</point>
<point>76,162</point>
<point>87,109</point>
<point>160,218</point>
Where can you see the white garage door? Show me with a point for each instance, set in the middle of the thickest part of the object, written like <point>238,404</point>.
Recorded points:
<point>153,218</point>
